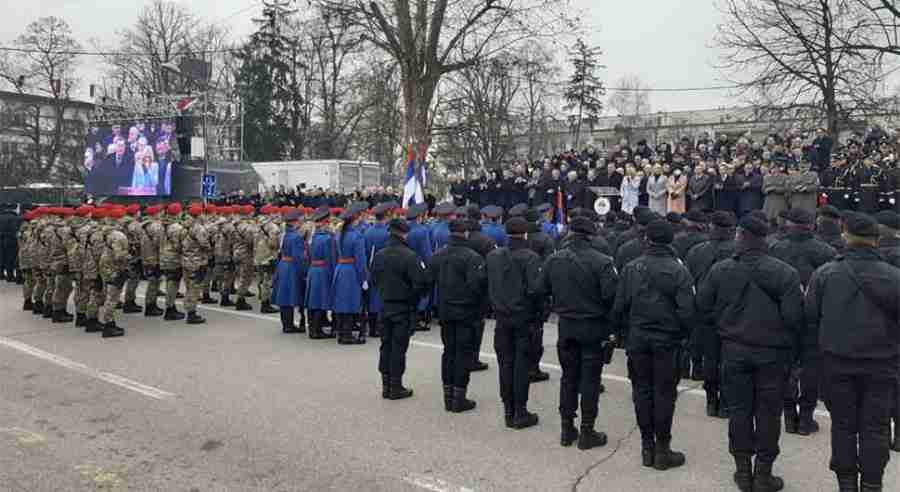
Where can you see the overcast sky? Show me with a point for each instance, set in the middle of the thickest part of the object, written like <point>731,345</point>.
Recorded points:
<point>666,45</point>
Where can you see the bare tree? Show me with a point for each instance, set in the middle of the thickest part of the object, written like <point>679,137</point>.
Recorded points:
<point>379,132</point>
<point>795,57</point>
<point>537,71</point>
<point>630,100</point>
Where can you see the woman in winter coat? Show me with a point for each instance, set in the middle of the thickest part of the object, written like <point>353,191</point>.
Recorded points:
<point>775,189</point>
<point>657,188</point>
<point>630,191</point>
<point>677,188</point>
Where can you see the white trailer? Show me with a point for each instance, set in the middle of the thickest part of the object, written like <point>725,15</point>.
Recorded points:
<point>340,176</point>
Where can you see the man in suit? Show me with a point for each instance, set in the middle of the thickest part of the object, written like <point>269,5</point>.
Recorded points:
<point>116,171</point>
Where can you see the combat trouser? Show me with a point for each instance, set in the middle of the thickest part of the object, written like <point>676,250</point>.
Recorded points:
<point>458,337</point>
<point>173,280</point>
<point>62,290</point>
<point>582,369</point>
<point>264,282</point>
<point>654,376</point>
<point>113,287</point>
<point>193,284</point>
<point>96,297</point>
<point>27,284</point>
<point>50,289</point>
<point>245,274</point>
<point>394,344</point>
<point>134,279</point>
<point>82,294</point>
<point>40,284</point>
<point>224,274</point>
<point>512,345</point>
<point>153,275</point>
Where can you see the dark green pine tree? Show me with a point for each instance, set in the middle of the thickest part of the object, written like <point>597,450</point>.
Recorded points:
<point>584,89</point>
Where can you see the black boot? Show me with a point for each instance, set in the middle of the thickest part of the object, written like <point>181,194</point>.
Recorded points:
<point>315,326</point>
<point>460,403</point>
<point>536,375</point>
<point>870,487</point>
<point>266,308</point>
<point>648,452</point>
<point>697,370</point>
<point>92,326</point>
<point>48,311</point>
<point>195,319</point>
<point>848,482</point>
<point>287,320</point>
<point>397,391</point>
<point>80,320</point>
<point>28,306</point>
<point>764,481</point>
<point>207,299</point>
<point>131,307</point>
<point>808,424</point>
<point>509,414</point>
<point>569,433</point>
<point>301,327</point>
<point>523,418</point>
<point>152,310</point>
<point>895,445</point>
<point>37,308</point>
<point>385,386</point>
<point>665,458</point>
<point>374,327</point>
<point>791,420</point>
<point>712,406</point>
<point>588,438</point>
<point>448,398</point>
<point>743,474</point>
<point>723,408</point>
<point>477,365</point>
<point>62,316</point>
<point>225,299</point>
<point>242,305</point>
<point>172,314</point>
<point>685,363</point>
<point>110,330</point>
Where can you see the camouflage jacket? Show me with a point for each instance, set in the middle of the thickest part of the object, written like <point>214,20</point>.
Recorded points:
<point>195,246</point>
<point>115,257</point>
<point>94,250</point>
<point>222,234</point>
<point>151,241</point>
<point>266,244</point>
<point>54,258</point>
<point>242,246</point>
<point>26,246</point>
<point>134,230</point>
<point>74,248</point>
<point>170,246</point>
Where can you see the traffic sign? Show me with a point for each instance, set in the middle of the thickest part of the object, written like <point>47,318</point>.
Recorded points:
<point>209,185</point>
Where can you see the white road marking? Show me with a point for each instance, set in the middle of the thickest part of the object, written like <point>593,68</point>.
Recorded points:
<point>433,484</point>
<point>111,378</point>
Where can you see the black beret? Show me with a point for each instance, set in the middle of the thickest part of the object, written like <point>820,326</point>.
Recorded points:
<point>673,217</point>
<point>474,212</point>
<point>758,228</point>
<point>459,225</point>
<point>398,225</point>
<point>639,210</point>
<point>759,214</point>
<point>543,207</point>
<point>645,217</point>
<point>516,225</point>
<point>797,216</point>
<point>518,210</point>
<point>861,225</point>
<point>888,219</point>
<point>660,232</point>
<point>582,225</point>
<point>830,211</point>
<point>532,215</point>
<point>723,219</point>
<point>697,216</point>
<point>416,210</point>
<point>320,214</point>
<point>445,208</point>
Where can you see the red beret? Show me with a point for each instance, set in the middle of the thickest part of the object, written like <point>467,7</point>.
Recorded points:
<point>83,211</point>
<point>173,209</point>
<point>152,210</point>
<point>99,213</point>
<point>265,209</point>
<point>195,210</point>
<point>133,209</point>
<point>116,213</point>
<point>337,211</point>
<point>247,210</point>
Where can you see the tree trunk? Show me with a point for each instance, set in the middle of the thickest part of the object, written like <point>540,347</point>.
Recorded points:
<point>417,95</point>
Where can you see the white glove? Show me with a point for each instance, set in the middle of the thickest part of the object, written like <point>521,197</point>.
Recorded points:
<point>365,285</point>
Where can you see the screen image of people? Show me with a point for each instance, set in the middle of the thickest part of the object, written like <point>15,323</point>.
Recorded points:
<point>130,158</point>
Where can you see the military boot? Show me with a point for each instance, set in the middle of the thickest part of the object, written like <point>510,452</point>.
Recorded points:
<point>131,307</point>
<point>648,452</point>
<point>385,386</point>
<point>61,316</point>
<point>791,420</point>
<point>48,311</point>
<point>460,403</point>
<point>523,418</point>
<point>848,482</point>
<point>697,370</point>
<point>152,310</point>
<point>665,458</point>
<point>315,326</point>
<point>92,325</point>
<point>477,365</point>
<point>266,308</point>
<point>207,299</point>
<point>536,375</point>
<point>509,414</point>
<point>80,320</point>
<point>712,405</point>
<point>110,330</point>
<point>397,391</point>
<point>37,308</point>
<point>764,481</point>
<point>242,305</point>
<point>569,433</point>
<point>448,398</point>
<point>28,306</point>
<point>870,487</point>
<point>225,299</point>
<point>743,475</point>
<point>895,444</point>
<point>807,424</point>
<point>588,438</point>
<point>195,319</point>
<point>172,314</point>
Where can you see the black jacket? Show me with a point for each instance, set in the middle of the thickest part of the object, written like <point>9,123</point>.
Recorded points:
<point>801,250</point>
<point>630,251</point>
<point>655,298</point>
<point>701,258</point>
<point>513,275</point>
<point>541,243</point>
<point>856,319</point>
<point>583,284</point>
<point>459,274</point>
<point>627,235</point>
<point>889,248</point>
<point>829,231</point>
<point>687,239</point>
<point>754,300</point>
<point>399,277</point>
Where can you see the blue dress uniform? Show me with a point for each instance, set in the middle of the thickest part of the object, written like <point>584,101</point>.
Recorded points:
<point>349,275</point>
<point>289,283</point>
<point>440,234</point>
<point>322,258</point>
<point>420,241</point>
<point>376,237</point>
<point>492,229</point>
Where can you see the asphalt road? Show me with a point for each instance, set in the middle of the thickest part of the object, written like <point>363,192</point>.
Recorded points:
<point>235,405</point>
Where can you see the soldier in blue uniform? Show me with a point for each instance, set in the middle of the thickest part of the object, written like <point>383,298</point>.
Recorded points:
<point>440,230</point>
<point>322,257</point>
<point>546,222</point>
<point>490,227</point>
<point>350,277</point>
<point>288,285</point>
<point>376,237</point>
<point>419,239</point>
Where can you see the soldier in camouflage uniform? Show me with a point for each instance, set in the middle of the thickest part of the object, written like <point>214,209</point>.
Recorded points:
<point>25,258</point>
<point>195,248</point>
<point>244,236</point>
<point>37,247</point>
<point>48,241</point>
<point>76,250</point>
<point>170,259</point>
<point>151,237</point>
<point>210,222</point>
<point>90,271</point>
<point>133,229</point>
<point>113,270</point>
<point>224,266</point>
<point>59,265</point>
<point>266,245</point>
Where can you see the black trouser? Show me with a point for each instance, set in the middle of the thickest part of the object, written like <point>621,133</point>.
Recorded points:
<point>653,366</point>
<point>477,338</point>
<point>754,380</point>
<point>712,363</point>
<point>802,388</point>
<point>860,396</point>
<point>511,342</point>
<point>395,334</point>
<point>459,345</point>
<point>536,345</point>
<point>582,368</point>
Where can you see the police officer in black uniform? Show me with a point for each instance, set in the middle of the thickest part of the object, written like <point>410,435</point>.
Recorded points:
<point>889,239</point>
<point>635,246</point>
<point>699,260</point>
<point>459,274</point>
<point>401,280</point>
<point>828,227</point>
<point>852,303</point>
<point>582,283</point>
<point>801,250</point>
<point>482,244</point>
<point>542,244</point>
<point>9,229</point>
<point>692,234</point>
<point>513,275</point>
<point>757,304</point>
<point>656,297</point>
